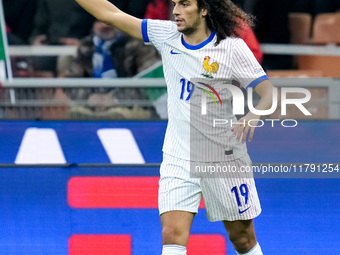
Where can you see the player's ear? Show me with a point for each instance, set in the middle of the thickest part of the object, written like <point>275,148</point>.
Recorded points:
<point>204,12</point>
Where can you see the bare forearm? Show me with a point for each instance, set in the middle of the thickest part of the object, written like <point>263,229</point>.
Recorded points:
<point>265,90</point>
<point>266,101</point>
<point>98,8</point>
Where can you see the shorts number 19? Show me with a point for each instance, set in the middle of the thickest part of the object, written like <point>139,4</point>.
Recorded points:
<point>243,190</point>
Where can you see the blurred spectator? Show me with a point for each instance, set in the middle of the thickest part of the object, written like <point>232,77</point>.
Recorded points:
<point>51,23</point>
<point>100,54</point>
<point>19,16</point>
<point>81,23</point>
<point>20,65</point>
<point>138,57</point>
<point>108,53</point>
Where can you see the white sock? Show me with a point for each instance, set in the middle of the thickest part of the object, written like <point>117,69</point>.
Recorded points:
<point>173,249</point>
<point>256,250</point>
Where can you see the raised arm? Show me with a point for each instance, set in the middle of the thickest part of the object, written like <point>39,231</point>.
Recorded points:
<point>111,15</point>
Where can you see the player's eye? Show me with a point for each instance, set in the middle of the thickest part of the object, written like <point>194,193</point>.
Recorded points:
<point>185,4</point>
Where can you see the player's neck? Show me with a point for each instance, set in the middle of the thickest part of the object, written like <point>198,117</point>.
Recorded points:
<point>198,36</point>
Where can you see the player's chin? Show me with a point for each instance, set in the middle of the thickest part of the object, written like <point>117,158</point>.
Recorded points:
<point>186,30</point>
<point>180,28</point>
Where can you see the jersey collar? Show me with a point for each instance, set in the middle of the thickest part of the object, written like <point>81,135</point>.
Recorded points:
<point>198,46</point>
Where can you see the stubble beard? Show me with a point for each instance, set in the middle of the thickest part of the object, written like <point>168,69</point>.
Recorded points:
<point>189,30</point>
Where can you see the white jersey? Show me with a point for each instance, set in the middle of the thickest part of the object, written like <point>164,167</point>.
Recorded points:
<point>192,137</point>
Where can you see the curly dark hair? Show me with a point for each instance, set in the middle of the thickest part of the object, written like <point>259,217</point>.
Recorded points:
<point>225,18</point>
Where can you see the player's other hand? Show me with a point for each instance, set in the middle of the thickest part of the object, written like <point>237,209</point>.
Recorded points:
<point>244,126</point>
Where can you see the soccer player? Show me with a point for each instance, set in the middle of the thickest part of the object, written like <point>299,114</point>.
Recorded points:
<point>202,42</point>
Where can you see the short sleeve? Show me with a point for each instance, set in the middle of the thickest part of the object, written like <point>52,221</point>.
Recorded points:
<point>245,68</point>
<point>157,31</point>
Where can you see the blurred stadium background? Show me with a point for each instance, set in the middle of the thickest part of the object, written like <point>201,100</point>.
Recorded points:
<point>80,157</point>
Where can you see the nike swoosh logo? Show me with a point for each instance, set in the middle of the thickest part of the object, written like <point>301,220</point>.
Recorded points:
<point>240,212</point>
<point>174,53</point>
